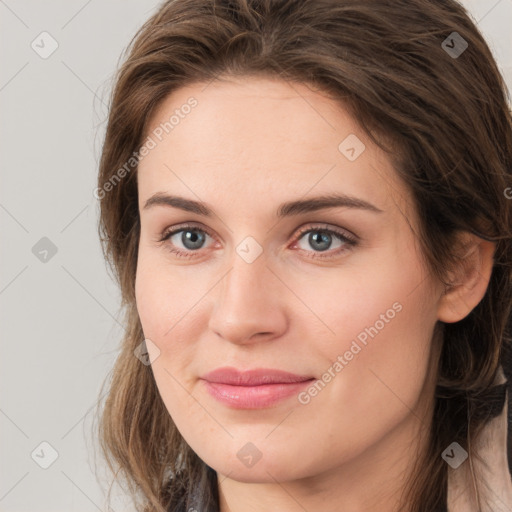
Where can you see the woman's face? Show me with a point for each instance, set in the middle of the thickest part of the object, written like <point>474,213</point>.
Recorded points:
<point>266,279</point>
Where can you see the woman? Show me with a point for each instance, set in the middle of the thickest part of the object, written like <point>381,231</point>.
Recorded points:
<point>306,205</point>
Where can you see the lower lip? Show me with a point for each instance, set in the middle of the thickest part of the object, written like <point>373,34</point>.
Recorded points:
<point>254,397</point>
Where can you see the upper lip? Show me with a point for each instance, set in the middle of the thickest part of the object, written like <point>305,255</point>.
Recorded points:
<point>255,377</point>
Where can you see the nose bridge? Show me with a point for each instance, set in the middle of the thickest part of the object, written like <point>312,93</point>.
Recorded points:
<point>246,302</point>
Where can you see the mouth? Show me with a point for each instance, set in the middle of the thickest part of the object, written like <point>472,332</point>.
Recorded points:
<point>253,389</point>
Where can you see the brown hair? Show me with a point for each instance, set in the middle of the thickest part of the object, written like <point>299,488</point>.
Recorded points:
<point>446,125</point>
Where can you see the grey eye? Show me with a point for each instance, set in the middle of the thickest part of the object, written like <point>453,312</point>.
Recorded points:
<point>319,240</point>
<point>192,239</point>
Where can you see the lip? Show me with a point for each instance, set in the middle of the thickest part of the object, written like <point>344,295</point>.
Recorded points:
<point>253,389</point>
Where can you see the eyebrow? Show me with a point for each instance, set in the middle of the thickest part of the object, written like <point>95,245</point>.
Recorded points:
<point>287,209</point>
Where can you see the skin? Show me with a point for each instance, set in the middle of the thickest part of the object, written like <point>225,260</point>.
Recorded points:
<point>249,145</point>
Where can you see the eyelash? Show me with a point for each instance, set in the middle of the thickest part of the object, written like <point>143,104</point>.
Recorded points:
<point>350,241</point>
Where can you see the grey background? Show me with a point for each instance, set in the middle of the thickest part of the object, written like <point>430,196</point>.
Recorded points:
<point>59,317</point>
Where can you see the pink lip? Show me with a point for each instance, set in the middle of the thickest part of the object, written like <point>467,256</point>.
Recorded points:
<point>253,389</point>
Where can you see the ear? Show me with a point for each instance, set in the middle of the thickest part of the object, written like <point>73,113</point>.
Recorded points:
<point>469,281</point>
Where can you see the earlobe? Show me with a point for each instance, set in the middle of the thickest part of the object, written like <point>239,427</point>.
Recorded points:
<point>469,282</point>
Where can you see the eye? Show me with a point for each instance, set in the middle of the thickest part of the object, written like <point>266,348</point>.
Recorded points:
<point>321,239</point>
<point>191,237</point>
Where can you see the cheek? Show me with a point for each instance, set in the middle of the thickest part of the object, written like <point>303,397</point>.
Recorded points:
<point>375,373</point>
<point>376,353</point>
<point>383,384</point>
<point>165,306</point>
<point>368,300</point>
<point>166,301</point>
<point>382,357</point>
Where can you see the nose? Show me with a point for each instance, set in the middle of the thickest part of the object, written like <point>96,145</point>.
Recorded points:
<point>248,303</point>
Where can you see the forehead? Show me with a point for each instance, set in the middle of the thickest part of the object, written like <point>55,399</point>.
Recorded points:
<point>252,141</point>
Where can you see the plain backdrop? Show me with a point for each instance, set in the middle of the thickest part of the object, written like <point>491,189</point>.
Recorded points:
<point>59,307</point>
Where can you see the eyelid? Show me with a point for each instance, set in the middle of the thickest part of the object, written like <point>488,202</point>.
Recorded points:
<point>167,232</point>
<point>320,226</point>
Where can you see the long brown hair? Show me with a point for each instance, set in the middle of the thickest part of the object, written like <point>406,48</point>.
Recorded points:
<point>442,117</point>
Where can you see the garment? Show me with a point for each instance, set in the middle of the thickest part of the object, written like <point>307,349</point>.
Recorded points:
<point>492,447</point>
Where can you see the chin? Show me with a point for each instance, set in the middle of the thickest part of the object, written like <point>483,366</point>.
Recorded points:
<point>267,469</point>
